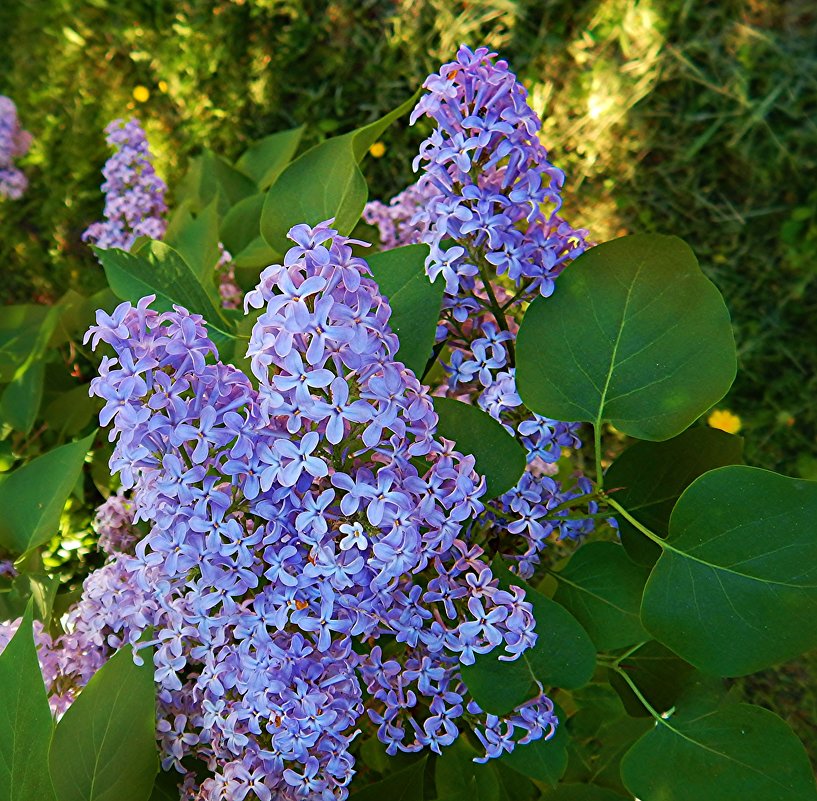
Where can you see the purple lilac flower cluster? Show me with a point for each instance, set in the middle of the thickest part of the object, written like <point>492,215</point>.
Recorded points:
<point>486,204</point>
<point>114,525</point>
<point>14,143</point>
<point>134,194</point>
<point>299,532</point>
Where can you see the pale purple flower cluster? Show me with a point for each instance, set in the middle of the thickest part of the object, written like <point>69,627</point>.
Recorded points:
<point>229,291</point>
<point>400,222</point>
<point>134,193</point>
<point>14,143</point>
<point>297,530</point>
<point>114,526</point>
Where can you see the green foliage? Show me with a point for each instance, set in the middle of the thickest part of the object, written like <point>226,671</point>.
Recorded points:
<point>649,477</point>
<point>499,457</point>
<point>563,655</point>
<point>31,515</point>
<point>602,588</point>
<point>25,720</point>
<point>104,748</point>
<point>653,352</point>
<point>458,778</point>
<point>735,750</point>
<point>400,785</point>
<point>324,183</point>
<point>414,300</point>
<point>739,568</point>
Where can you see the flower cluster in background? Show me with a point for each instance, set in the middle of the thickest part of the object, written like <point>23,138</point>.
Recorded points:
<point>14,143</point>
<point>486,204</point>
<point>134,193</point>
<point>287,524</point>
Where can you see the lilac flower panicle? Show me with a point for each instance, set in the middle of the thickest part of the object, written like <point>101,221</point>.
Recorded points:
<point>134,193</point>
<point>487,205</point>
<point>14,143</point>
<point>289,522</point>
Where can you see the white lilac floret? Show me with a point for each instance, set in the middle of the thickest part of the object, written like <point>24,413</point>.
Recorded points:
<point>134,193</point>
<point>291,521</point>
<point>14,143</point>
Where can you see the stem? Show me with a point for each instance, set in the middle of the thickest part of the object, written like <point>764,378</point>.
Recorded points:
<point>579,501</point>
<point>597,451</point>
<point>644,702</point>
<point>632,521</point>
<point>496,309</point>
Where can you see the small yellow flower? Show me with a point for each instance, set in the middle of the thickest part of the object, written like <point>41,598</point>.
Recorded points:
<point>725,421</point>
<point>163,86</point>
<point>141,94</point>
<point>377,150</point>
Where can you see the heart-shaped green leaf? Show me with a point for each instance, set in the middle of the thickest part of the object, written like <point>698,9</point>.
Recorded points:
<point>157,269</point>
<point>324,183</point>
<point>602,588</point>
<point>730,753</point>
<point>736,584</point>
<point>635,335</point>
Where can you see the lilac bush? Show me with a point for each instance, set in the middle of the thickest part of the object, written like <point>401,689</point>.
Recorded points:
<point>289,522</point>
<point>134,193</point>
<point>14,143</point>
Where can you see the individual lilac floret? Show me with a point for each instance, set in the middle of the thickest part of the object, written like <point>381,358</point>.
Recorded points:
<point>14,143</point>
<point>296,526</point>
<point>134,194</point>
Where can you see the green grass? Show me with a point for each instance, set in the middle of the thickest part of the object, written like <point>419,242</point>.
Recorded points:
<point>679,116</point>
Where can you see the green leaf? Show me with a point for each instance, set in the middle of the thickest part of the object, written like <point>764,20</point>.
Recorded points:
<point>659,675</point>
<point>195,239</point>
<point>264,160</point>
<point>602,588</point>
<point>583,792</point>
<point>241,225</point>
<point>402,785</point>
<point>166,786</point>
<point>459,778</point>
<point>649,477</point>
<point>21,330</point>
<point>563,656</point>
<point>634,335</point>
<point>72,411</point>
<point>25,720</point>
<point>104,748</point>
<point>31,515</point>
<point>600,732</point>
<point>737,579</point>
<point>543,760</point>
<point>20,400</point>
<point>159,270</point>
<point>323,183</point>
<point>415,302</point>
<point>731,753</point>
<point>513,786</point>
<point>500,458</point>
<point>210,177</point>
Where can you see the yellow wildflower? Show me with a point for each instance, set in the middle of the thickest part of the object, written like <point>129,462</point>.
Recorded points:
<point>141,94</point>
<point>163,86</point>
<point>377,150</point>
<point>725,421</point>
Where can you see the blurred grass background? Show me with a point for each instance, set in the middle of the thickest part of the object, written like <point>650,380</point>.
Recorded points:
<point>680,116</point>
